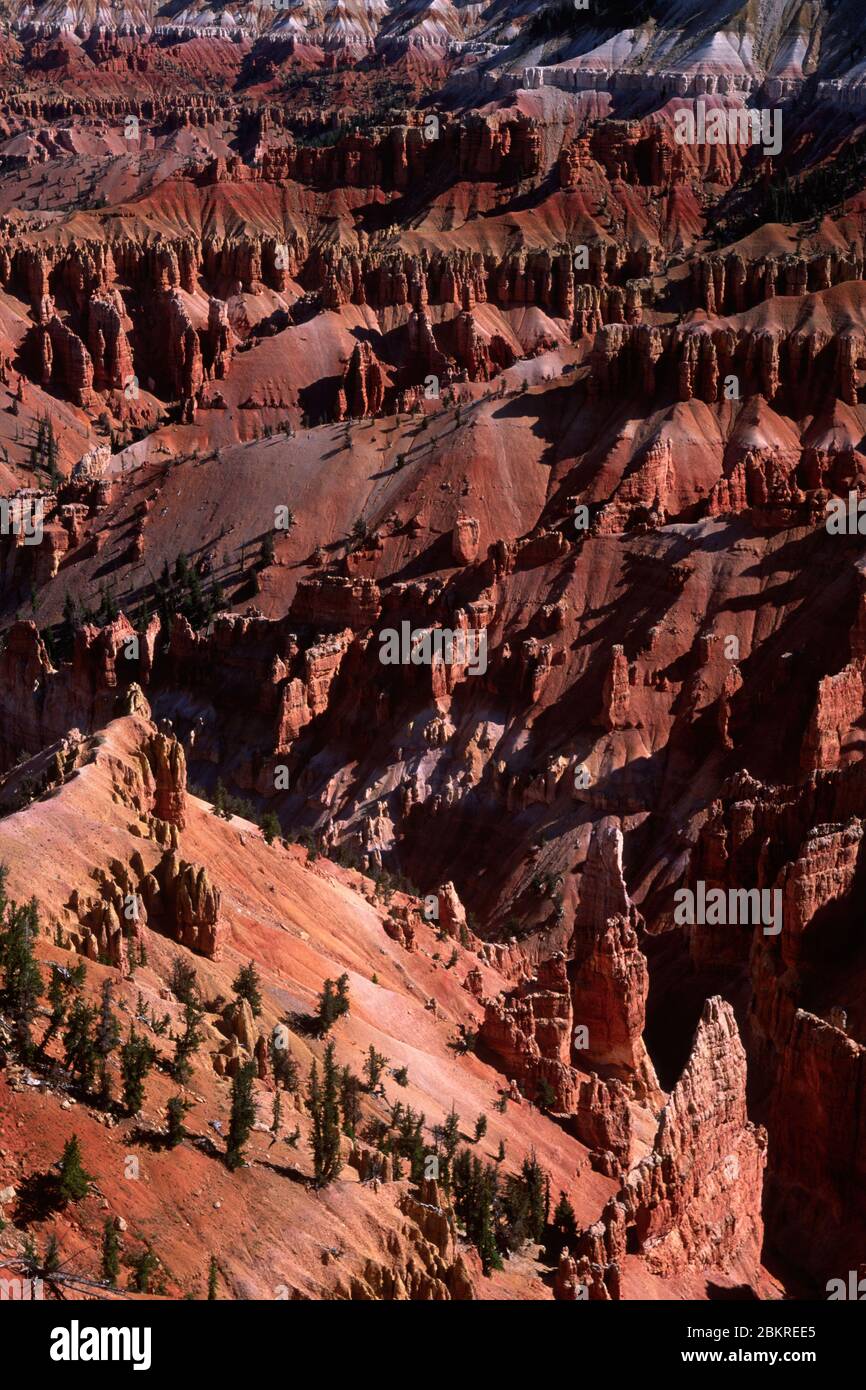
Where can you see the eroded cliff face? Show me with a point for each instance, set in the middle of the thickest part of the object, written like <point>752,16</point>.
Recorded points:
<point>805,1001</point>
<point>573,1036</point>
<point>695,1200</point>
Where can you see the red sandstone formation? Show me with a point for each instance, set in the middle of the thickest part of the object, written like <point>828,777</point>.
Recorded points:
<point>695,1200</point>
<point>363,386</point>
<point>168,764</point>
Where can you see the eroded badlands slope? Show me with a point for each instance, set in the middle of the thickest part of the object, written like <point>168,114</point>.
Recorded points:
<point>216,893</point>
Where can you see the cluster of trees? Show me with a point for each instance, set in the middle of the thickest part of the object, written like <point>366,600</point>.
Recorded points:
<point>247,986</point>
<point>90,1038</point>
<point>60,641</point>
<point>333,1094</point>
<point>405,1139</point>
<point>387,882</point>
<point>90,1035</point>
<point>177,591</point>
<point>801,198</point>
<point>498,1215</point>
<point>225,806</point>
<point>29,789</point>
<point>180,592</point>
<point>147,1273</point>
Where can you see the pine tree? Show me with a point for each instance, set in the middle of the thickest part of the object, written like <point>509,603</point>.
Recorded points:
<point>333,1004</point>
<point>410,1141</point>
<point>212,1279</point>
<point>565,1222</point>
<point>242,1117</point>
<point>350,1101</point>
<point>51,1258</point>
<point>136,1059</point>
<point>247,986</point>
<point>451,1134</point>
<point>342,996</point>
<point>73,1182</point>
<point>108,609</point>
<point>79,1046</point>
<point>324,1109</point>
<point>486,1237</point>
<point>327,1013</point>
<point>32,1264</point>
<point>144,1266</point>
<point>23,982</point>
<point>538,1193</point>
<point>183,981</point>
<point>37,449</point>
<point>271,828</point>
<point>277,1116</point>
<point>107,1038</point>
<point>63,982</point>
<point>545,1096</point>
<point>220,801</point>
<point>197,606</point>
<point>188,1042</point>
<point>175,1112</point>
<point>268,554</point>
<point>374,1065</point>
<point>480,1128</point>
<point>285,1068</point>
<point>110,1253</point>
